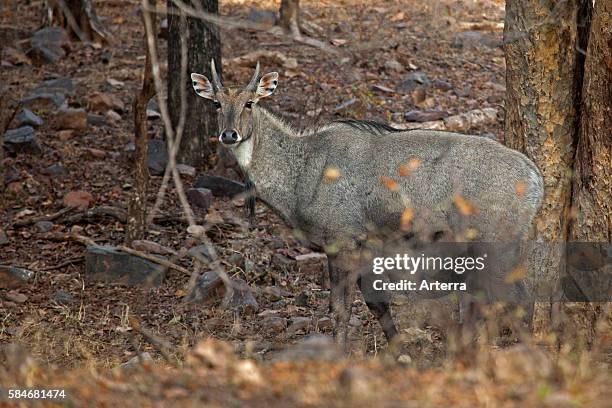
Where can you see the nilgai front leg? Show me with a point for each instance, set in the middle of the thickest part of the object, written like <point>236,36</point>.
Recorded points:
<point>342,295</point>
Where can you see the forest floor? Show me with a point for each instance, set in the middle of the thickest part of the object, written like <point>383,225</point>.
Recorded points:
<point>77,333</point>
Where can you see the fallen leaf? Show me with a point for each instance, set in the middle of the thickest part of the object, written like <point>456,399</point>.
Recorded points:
<point>80,199</point>
<point>390,183</point>
<point>406,219</point>
<point>338,41</point>
<point>398,17</point>
<point>464,206</point>
<point>331,174</point>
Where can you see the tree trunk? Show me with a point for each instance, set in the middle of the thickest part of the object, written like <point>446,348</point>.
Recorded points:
<point>290,16</point>
<point>78,17</point>
<point>203,44</point>
<point>592,187</point>
<point>137,208</point>
<point>541,39</point>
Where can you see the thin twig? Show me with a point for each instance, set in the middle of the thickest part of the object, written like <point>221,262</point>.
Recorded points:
<point>161,344</point>
<point>48,217</point>
<point>155,259</point>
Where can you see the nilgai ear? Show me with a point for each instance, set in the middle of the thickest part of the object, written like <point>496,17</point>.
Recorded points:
<point>267,85</point>
<point>202,86</point>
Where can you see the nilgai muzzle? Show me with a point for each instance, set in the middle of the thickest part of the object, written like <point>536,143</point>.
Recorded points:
<point>350,183</point>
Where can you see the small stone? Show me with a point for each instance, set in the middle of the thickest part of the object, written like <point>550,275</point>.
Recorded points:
<point>282,262</point>
<point>137,361</point>
<point>152,247</point>
<point>15,297</point>
<point>425,116</point>
<point>21,140</point>
<point>210,288</point>
<point>299,324</point>
<point>63,297</point>
<point>29,118</point>
<point>186,170</point>
<point>12,277</point>
<point>96,120</point>
<point>55,170</point>
<point>69,118</point>
<point>200,197</point>
<point>202,251</point>
<point>313,347</point>
<point>95,153</point>
<point>394,66</point>
<point>109,264</point>
<point>418,95</point>
<point>157,159</point>
<point>65,135</point>
<point>15,57</point>
<point>44,226</point>
<point>112,116</point>
<point>102,102</point>
<point>49,45</point>
<point>273,293</point>
<point>404,359</point>
<point>219,186</point>
<point>3,237</point>
<point>414,80</point>
<point>274,324</point>
<point>50,94</point>
<point>464,92</point>
<point>442,85</point>
<point>355,321</point>
<point>80,199</point>
<point>264,17</point>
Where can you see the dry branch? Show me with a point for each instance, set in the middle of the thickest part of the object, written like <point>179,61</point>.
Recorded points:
<point>154,259</point>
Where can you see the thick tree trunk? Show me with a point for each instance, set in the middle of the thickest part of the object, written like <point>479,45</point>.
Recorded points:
<point>592,187</point>
<point>203,44</point>
<point>290,16</point>
<point>541,39</point>
<point>137,209</point>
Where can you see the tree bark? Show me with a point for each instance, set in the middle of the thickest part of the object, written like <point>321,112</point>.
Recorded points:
<point>592,182</point>
<point>137,208</point>
<point>78,17</point>
<point>541,39</point>
<point>290,16</point>
<point>203,45</point>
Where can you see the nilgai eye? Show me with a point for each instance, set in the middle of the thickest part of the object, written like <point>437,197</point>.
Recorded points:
<point>248,105</point>
<point>217,104</point>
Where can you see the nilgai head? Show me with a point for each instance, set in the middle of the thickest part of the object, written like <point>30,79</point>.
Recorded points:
<point>234,104</point>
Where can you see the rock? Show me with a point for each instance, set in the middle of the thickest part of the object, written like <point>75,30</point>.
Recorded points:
<point>108,264</point>
<point>345,104</point>
<point>299,324</point>
<point>95,153</point>
<point>203,251</point>
<point>313,347</point>
<point>393,66</point>
<point>186,170</point>
<point>355,321</point>
<point>63,297</point>
<point>157,158</point>
<point>21,140</point>
<point>64,135</point>
<point>425,116</point>
<point>152,247</point>
<point>3,237</point>
<point>29,118</point>
<point>136,361</point>
<point>12,276</point>
<point>97,120</point>
<point>283,263</point>
<point>101,102</point>
<point>476,117</point>
<point>70,118</point>
<point>464,92</point>
<point>303,299</point>
<point>263,17</point>
<point>48,45</point>
<point>219,186</point>
<point>404,359</point>
<point>44,226</point>
<point>153,109</point>
<point>413,80</point>
<point>274,293</point>
<point>16,297</point>
<point>200,197</point>
<point>210,288</point>
<point>325,323</point>
<point>273,324</point>
<point>51,94</point>
<point>475,39</point>
<point>55,170</point>
<point>442,85</point>
<point>418,95</point>
<point>112,116</point>
<point>80,199</point>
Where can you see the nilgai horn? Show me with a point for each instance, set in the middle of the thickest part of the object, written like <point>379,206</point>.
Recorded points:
<point>344,182</point>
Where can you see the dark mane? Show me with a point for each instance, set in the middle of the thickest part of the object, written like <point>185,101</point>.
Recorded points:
<point>368,125</point>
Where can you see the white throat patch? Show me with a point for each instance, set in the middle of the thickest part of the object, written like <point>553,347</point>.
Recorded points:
<point>244,153</point>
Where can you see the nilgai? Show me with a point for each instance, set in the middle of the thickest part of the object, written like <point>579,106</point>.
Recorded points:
<point>348,181</point>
